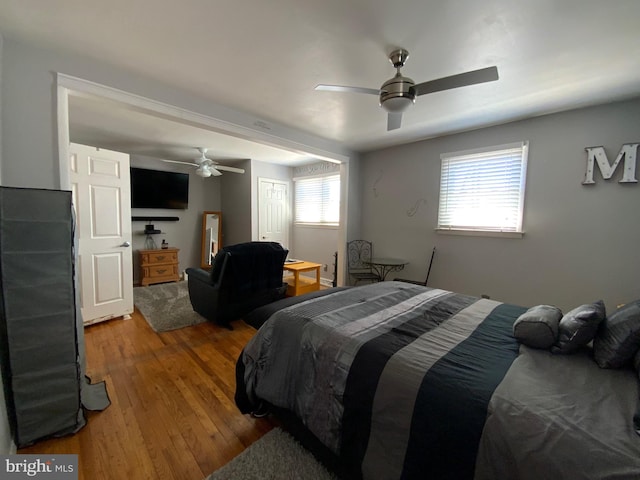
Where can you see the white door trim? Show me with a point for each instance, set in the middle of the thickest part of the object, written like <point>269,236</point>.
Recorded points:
<point>62,100</point>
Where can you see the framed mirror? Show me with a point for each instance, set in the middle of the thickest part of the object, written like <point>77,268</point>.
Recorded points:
<point>211,236</point>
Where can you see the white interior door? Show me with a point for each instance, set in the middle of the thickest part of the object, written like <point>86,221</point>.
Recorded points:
<point>102,200</point>
<point>273,211</point>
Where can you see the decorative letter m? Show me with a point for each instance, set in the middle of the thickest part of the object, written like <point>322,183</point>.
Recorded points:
<point>597,155</point>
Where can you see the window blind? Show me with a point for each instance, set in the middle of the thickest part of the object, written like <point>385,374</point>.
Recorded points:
<point>317,200</point>
<point>483,190</point>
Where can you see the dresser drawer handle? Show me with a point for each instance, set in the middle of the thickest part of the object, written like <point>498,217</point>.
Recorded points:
<point>160,257</point>
<point>161,271</point>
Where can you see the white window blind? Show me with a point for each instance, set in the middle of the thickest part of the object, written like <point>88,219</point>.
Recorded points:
<point>483,190</point>
<point>317,200</point>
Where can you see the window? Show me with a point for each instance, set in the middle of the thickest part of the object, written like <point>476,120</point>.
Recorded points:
<point>317,200</point>
<point>483,190</point>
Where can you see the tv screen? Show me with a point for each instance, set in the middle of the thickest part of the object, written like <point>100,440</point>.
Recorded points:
<point>158,189</point>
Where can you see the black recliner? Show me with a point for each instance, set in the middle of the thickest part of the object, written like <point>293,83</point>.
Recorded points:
<point>243,277</point>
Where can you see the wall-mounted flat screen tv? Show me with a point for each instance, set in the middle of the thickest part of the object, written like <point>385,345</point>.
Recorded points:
<point>159,189</point>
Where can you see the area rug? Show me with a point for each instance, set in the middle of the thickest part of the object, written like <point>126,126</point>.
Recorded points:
<point>275,456</point>
<point>166,306</point>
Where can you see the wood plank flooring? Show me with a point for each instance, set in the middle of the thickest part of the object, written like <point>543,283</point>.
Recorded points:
<point>172,414</point>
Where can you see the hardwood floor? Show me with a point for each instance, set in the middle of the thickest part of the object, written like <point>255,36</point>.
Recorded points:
<point>172,414</point>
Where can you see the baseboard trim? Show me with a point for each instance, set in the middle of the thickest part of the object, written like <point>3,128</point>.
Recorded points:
<point>326,282</point>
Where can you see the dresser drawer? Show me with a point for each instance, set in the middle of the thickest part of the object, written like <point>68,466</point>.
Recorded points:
<point>154,258</point>
<point>155,271</point>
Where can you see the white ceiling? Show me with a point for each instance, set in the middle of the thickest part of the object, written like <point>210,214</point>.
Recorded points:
<point>265,58</point>
<point>115,126</point>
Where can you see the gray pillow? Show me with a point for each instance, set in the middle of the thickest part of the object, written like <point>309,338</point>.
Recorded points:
<point>578,327</point>
<point>618,338</point>
<point>538,326</point>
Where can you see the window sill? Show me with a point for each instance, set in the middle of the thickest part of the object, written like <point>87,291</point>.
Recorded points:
<point>479,233</point>
<point>329,226</point>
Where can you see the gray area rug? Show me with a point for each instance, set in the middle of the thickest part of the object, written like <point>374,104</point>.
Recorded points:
<point>275,456</point>
<point>166,306</point>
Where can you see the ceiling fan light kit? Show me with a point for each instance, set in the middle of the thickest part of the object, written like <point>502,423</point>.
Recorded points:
<point>399,92</point>
<point>206,167</point>
<point>203,171</point>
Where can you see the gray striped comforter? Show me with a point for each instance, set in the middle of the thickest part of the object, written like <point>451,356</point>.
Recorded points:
<point>399,381</point>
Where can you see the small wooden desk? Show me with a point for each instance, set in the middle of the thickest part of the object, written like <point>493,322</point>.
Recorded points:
<point>299,285</point>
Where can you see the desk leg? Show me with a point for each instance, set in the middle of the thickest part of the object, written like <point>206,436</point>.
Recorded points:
<point>318,277</point>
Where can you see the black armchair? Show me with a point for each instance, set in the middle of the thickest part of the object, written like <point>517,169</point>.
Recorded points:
<point>243,277</point>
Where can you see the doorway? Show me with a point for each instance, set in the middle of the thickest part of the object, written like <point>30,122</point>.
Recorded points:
<point>68,85</point>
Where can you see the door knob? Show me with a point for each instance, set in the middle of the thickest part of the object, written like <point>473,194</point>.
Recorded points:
<point>126,244</point>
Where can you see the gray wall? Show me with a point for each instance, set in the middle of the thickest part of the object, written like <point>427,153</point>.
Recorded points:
<point>236,198</point>
<point>316,244</point>
<point>186,233</point>
<point>581,242</point>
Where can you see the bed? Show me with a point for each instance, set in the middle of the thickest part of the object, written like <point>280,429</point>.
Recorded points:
<point>404,381</point>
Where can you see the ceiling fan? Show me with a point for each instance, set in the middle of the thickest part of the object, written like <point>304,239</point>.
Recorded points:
<point>399,92</point>
<point>207,167</point>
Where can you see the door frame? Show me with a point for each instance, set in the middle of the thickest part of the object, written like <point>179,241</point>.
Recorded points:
<point>67,85</point>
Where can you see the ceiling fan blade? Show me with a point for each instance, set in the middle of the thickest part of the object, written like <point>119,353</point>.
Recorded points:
<point>229,169</point>
<point>214,171</point>
<point>394,120</point>
<point>339,88</point>
<point>183,163</point>
<point>483,75</point>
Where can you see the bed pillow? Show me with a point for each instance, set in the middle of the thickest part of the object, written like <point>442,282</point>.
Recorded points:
<point>618,338</point>
<point>578,327</point>
<point>538,326</point>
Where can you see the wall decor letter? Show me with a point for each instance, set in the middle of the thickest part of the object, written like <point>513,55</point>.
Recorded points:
<point>597,156</point>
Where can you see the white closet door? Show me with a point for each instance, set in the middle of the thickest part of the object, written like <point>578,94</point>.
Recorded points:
<point>102,200</point>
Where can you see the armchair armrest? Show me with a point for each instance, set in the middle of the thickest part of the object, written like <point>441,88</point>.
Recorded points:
<point>199,274</point>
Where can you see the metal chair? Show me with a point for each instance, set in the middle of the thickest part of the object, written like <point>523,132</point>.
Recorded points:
<point>417,282</point>
<point>359,253</point>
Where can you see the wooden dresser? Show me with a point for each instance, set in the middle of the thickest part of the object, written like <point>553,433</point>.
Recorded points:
<point>157,266</point>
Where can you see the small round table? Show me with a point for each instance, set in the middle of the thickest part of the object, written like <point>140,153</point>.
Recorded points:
<point>383,266</point>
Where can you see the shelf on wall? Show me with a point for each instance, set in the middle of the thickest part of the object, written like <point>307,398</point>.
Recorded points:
<point>149,218</point>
